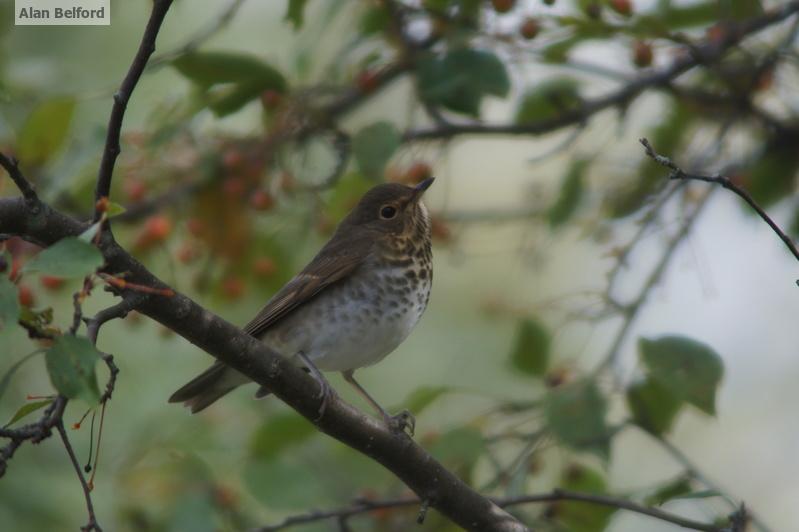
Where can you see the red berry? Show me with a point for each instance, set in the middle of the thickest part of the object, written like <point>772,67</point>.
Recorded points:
<point>622,7</point>
<point>264,267</point>
<point>232,158</point>
<point>232,287</point>
<point>530,28</point>
<point>418,172</point>
<point>188,253</point>
<point>51,282</point>
<point>642,54</point>
<point>503,6</point>
<point>271,100</point>
<point>158,227</point>
<point>234,187</point>
<point>195,226</point>
<point>25,295</point>
<point>261,200</point>
<point>135,190</point>
<point>366,81</point>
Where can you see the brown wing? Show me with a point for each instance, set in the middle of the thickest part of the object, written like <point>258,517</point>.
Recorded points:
<point>337,260</point>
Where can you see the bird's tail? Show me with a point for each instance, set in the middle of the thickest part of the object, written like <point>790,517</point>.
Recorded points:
<point>207,387</point>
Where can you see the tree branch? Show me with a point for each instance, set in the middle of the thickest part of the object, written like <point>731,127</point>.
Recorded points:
<point>92,525</point>
<point>708,52</point>
<point>398,453</point>
<point>121,97</point>
<point>11,166</point>
<point>679,174</point>
<point>365,506</point>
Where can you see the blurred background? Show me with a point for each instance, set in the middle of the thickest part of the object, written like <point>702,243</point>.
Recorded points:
<point>558,247</point>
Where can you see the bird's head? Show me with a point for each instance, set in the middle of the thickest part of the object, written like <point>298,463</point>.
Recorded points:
<point>392,209</point>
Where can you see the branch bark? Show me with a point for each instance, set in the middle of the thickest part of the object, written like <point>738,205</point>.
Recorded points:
<point>397,452</point>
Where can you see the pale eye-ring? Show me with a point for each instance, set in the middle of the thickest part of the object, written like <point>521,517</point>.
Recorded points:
<point>388,212</point>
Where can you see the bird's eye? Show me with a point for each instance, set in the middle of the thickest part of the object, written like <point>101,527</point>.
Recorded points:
<point>388,212</point>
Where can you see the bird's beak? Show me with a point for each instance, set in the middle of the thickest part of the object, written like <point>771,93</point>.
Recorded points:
<point>419,189</point>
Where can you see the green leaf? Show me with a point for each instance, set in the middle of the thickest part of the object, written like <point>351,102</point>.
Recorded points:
<point>28,408</point>
<point>70,363</point>
<point>703,494</point>
<point>460,79</point>
<point>45,130</point>
<point>374,20</point>
<point>230,98</point>
<point>211,68</point>
<point>295,13</point>
<point>423,397</point>
<point>9,304</point>
<point>653,407</point>
<point>279,433</point>
<point>114,209</point>
<point>673,489</point>
<point>575,413</point>
<point>283,484</point>
<point>689,370</point>
<point>6,380</point>
<point>571,192</point>
<point>89,234</point>
<point>579,516</point>
<point>530,353</point>
<point>548,100</point>
<point>373,146</point>
<point>70,257</point>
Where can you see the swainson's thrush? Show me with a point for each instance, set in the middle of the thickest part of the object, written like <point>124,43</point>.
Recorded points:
<point>355,302</point>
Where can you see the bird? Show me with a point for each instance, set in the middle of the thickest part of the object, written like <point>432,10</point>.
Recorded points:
<point>354,303</point>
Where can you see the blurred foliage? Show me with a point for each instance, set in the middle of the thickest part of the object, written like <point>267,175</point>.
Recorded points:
<point>228,212</point>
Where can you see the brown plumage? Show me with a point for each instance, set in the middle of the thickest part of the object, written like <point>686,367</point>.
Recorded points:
<point>355,301</point>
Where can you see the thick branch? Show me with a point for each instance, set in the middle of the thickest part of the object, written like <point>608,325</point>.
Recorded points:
<point>121,97</point>
<point>709,52</point>
<point>398,453</point>
<point>679,173</point>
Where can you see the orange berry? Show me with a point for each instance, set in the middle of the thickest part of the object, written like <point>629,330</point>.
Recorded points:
<point>25,295</point>
<point>188,253</point>
<point>102,204</point>
<point>261,200</point>
<point>530,28</point>
<point>51,282</point>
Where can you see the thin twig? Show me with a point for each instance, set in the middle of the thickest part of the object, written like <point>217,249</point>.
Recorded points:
<point>11,166</point>
<point>92,524</point>
<point>121,97</point>
<point>366,506</point>
<point>704,54</point>
<point>678,173</point>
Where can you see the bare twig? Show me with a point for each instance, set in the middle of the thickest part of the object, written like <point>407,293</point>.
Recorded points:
<point>121,97</point>
<point>366,506</point>
<point>194,42</point>
<point>678,174</point>
<point>92,525</point>
<point>11,166</point>
<point>33,432</point>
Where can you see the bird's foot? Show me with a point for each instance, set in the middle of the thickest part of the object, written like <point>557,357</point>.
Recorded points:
<point>326,393</point>
<point>402,422</point>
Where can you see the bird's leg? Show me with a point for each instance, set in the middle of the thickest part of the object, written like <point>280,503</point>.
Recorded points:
<point>397,423</point>
<point>325,390</point>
